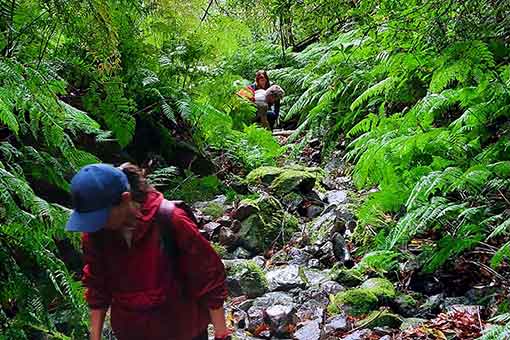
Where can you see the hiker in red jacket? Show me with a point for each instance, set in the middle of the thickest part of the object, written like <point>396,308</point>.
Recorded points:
<point>144,259</point>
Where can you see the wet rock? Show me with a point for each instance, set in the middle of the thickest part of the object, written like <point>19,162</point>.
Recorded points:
<point>313,210</point>
<point>409,323</point>
<point>236,226</point>
<point>323,226</point>
<point>228,238</point>
<point>298,256</point>
<point>316,277</point>
<point>310,331</point>
<point>246,278</point>
<point>337,323</point>
<point>336,197</point>
<point>361,334</point>
<point>211,228</point>
<point>279,318</point>
<point>470,309</point>
<point>224,221</point>
<point>311,310</point>
<point>340,250</point>
<point>313,294</point>
<point>431,305</point>
<point>284,278</point>
<point>345,220</point>
<point>243,211</point>
<point>406,305</point>
<point>257,311</point>
<point>314,263</point>
<point>332,287</point>
<point>260,261</point>
<point>312,250</point>
<point>241,253</point>
<point>327,253</point>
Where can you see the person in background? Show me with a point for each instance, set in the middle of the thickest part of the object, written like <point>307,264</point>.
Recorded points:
<point>268,113</point>
<point>145,259</point>
<point>261,81</point>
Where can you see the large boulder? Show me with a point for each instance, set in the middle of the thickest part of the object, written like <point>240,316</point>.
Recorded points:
<point>285,278</point>
<point>371,294</point>
<point>282,180</point>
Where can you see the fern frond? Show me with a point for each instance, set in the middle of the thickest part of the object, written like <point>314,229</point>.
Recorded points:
<point>377,89</point>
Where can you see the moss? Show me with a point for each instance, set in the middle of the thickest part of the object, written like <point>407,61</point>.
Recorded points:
<point>252,278</point>
<point>265,174</point>
<point>381,318</point>
<point>214,210</point>
<point>382,288</point>
<point>219,249</point>
<point>349,277</point>
<point>355,301</point>
<point>262,228</point>
<point>285,179</point>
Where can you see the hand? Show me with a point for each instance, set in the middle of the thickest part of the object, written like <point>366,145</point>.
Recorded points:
<point>227,335</point>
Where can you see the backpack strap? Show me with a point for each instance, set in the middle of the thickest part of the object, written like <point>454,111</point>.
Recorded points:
<point>164,220</point>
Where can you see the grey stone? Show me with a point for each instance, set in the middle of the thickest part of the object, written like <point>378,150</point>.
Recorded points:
<point>314,210</point>
<point>316,277</point>
<point>332,287</point>
<point>310,331</point>
<point>470,309</point>
<point>211,228</point>
<point>311,310</point>
<point>257,311</point>
<point>410,323</point>
<point>227,238</point>
<point>279,318</point>
<point>224,221</point>
<point>314,263</point>
<point>327,253</point>
<point>431,305</point>
<point>241,253</point>
<point>298,256</point>
<point>361,334</point>
<point>260,261</point>
<point>337,323</point>
<point>284,278</point>
<point>336,197</point>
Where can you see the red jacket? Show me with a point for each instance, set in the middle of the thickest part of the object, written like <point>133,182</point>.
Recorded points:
<point>151,296</point>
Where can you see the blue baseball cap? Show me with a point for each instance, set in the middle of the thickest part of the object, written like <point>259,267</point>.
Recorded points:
<point>95,189</point>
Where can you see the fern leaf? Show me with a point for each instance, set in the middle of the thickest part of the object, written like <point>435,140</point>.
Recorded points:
<point>7,117</point>
<point>375,90</point>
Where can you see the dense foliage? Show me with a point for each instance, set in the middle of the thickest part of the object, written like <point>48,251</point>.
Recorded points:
<point>419,89</point>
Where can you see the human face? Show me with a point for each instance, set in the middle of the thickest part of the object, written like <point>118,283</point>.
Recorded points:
<point>261,81</point>
<point>123,215</point>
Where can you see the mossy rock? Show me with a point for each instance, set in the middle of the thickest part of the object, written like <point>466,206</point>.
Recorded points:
<point>283,180</point>
<point>347,277</point>
<point>356,301</point>
<point>382,288</point>
<point>251,277</point>
<point>381,318</point>
<point>214,210</point>
<point>261,228</point>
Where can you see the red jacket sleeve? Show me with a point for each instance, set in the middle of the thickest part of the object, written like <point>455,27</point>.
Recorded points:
<point>199,264</point>
<point>97,294</point>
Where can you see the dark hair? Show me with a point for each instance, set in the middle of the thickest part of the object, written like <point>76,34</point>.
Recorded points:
<point>139,187</point>
<point>264,74</point>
